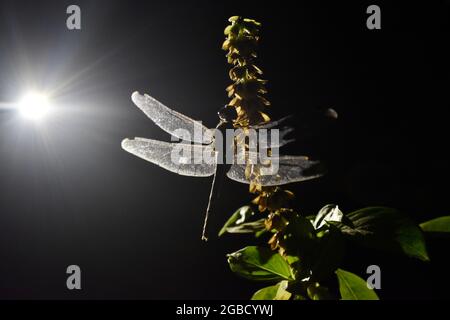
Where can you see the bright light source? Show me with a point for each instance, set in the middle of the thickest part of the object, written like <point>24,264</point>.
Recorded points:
<point>34,105</point>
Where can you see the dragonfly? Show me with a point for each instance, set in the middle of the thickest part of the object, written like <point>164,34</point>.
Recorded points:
<point>290,168</point>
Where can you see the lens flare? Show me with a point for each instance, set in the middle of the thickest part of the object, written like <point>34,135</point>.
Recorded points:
<point>34,105</point>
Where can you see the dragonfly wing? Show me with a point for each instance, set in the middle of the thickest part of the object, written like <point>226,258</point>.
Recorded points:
<point>267,139</point>
<point>291,169</point>
<point>176,157</point>
<point>171,121</point>
<point>272,124</point>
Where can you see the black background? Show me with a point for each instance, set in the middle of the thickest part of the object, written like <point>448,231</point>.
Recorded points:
<point>70,195</point>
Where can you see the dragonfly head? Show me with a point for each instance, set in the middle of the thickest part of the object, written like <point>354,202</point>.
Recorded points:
<point>227,114</point>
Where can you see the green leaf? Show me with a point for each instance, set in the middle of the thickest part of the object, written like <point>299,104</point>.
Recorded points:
<point>317,292</point>
<point>292,259</point>
<point>260,263</point>
<point>299,230</point>
<point>328,254</point>
<point>438,225</point>
<point>353,287</point>
<point>260,233</point>
<point>330,212</point>
<point>386,229</point>
<point>239,217</point>
<point>267,293</point>
<point>248,227</point>
<point>300,241</point>
<point>276,292</point>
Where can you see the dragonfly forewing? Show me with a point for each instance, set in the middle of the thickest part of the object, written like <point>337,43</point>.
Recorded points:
<point>172,121</point>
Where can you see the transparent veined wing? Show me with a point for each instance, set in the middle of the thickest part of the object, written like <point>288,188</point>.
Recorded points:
<point>290,169</point>
<point>172,121</point>
<point>176,157</point>
<point>271,124</point>
<point>263,139</point>
<point>279,140</point>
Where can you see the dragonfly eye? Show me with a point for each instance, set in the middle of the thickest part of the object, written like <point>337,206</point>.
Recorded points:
<point>227,114</point>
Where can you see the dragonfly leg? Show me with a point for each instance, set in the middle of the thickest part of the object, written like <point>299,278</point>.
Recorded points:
<point>219,174</point>
<point>212,194</point>
<point>208,209</point>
